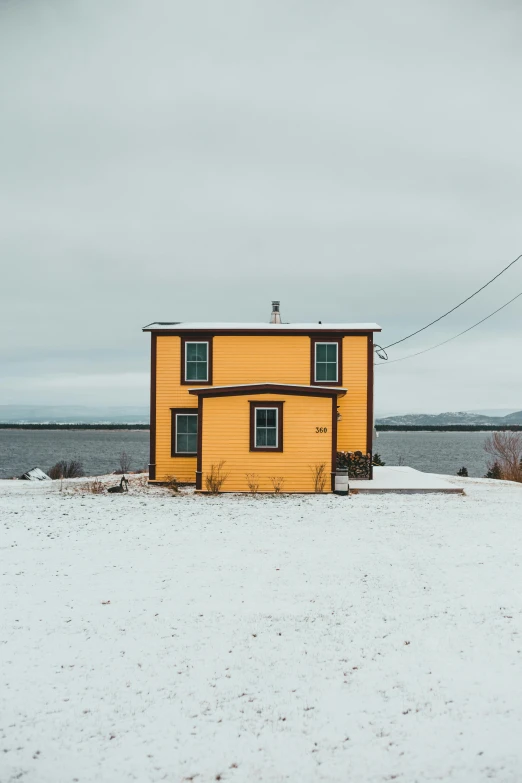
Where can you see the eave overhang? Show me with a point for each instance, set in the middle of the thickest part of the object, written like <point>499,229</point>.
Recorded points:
<point>269,388</point>
<point>250,330</point>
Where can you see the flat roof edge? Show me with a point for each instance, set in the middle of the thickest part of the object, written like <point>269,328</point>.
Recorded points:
<point>348,329</point>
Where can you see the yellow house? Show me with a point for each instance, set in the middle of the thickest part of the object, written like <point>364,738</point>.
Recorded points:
<point>266,405</point>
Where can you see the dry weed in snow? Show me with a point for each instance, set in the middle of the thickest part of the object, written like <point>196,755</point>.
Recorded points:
<point>146,637</point>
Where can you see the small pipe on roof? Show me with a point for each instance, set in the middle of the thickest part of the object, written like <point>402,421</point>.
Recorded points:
<point>275,318</point>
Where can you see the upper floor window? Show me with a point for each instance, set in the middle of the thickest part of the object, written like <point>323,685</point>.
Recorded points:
<point>326,362</point>
<point>196,360</point>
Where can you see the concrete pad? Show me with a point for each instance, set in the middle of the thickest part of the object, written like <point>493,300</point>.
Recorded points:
<point>403,479</point>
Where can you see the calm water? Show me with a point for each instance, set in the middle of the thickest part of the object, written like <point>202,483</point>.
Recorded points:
<point>435,452</point>
<point>99,450</point>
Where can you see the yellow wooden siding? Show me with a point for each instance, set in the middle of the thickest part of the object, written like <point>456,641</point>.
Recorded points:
<point>226,437</point>
<point>261,359</point>
<point>169,394</point>
<point>351,430</point>
<point>256,359</point>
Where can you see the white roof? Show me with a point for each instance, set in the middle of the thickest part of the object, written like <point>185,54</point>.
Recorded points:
<point>216,326</point>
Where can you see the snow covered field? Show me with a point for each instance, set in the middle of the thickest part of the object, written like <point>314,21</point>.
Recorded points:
<point>146,637</point>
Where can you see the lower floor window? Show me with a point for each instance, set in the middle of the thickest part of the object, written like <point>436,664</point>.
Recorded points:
<point>184,433</point>
<point>266,426</point>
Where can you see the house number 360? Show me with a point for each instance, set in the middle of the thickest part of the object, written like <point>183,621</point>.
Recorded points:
<point>321,429</point>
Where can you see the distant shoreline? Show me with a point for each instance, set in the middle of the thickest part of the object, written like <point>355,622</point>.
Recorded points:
<point>378,427</point>
<point>447,427</point>
<point>36,426</point>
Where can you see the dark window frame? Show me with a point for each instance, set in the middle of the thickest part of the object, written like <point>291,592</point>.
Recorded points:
<point>173,424</point>
<point>196,338</point>
<point>254,404</point>
<point>326,339</point>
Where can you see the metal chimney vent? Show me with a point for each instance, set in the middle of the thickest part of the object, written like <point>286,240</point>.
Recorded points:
<point>275,318</point>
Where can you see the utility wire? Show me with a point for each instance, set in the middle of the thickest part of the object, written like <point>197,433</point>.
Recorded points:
<point>411,355</point>
<point>454,308</point>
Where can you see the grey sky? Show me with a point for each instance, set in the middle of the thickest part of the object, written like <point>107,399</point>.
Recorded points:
<point>168,160</point>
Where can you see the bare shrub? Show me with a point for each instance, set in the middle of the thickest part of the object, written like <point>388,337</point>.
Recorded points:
<point>506,449</point>
<point>95,487</point>
<point>125,462</point>
<point>319,476</point>
<point>252,480</point>
<point>66,469</point>
<point>216,478</point>
<point>277,483</point>
<point>171,483</point>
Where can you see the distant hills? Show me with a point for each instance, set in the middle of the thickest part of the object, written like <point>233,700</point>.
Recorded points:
<point>139,414</point>
<point>73,414</point>
<point>448,419</point>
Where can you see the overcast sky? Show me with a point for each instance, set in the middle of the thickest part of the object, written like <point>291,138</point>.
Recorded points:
<point>174,160</point>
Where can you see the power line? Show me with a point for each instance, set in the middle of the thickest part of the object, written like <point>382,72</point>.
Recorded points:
<point>411,355</point>
<point>454,308</point>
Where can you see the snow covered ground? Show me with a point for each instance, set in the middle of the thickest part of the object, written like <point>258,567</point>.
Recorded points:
<point>146,637</point>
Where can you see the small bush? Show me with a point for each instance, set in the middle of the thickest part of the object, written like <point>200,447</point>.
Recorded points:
<point>319,476</point>
<point>463,472</point>
<point>377,460</point>
<point>506,450</point>
<point>277,483</point>
<point>252,480</point>
<point>494,471</point>
<point>171,483</point>
<point>125,462</point>
<point>66,469</point>
<point>95,487</point>
<point>216,478</point>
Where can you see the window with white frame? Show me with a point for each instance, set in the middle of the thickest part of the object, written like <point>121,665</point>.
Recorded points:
<point>326,362</point>
<point>186,433</point>
<point>196,361</point>
<point>266,428</point>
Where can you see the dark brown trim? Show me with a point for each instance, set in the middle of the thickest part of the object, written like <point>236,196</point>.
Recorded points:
<point>264,332</point>
<point>268,388</point>
<point>199,463</point>
<point>173,413</point>
<point>369,412</point>
<point>334,441</point>
<point>327,338</point>
<point>266,404</point>
<point>293,491</point>
<point>167,483</point>
<point>152,436</point>
<point>196,338</point>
